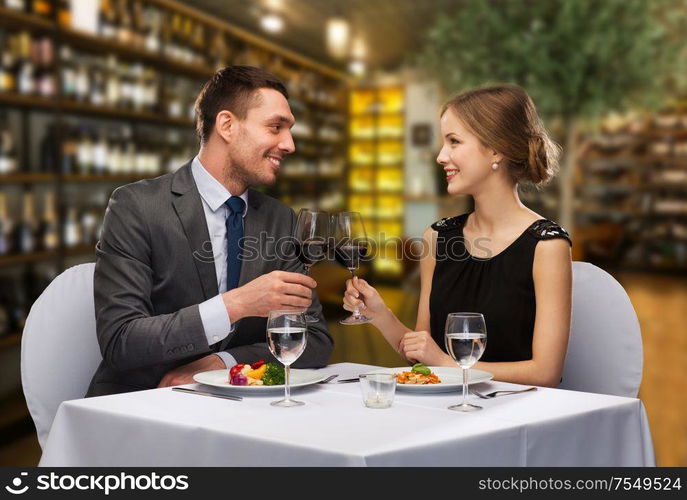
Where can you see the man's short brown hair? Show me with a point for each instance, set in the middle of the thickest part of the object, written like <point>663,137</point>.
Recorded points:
<point>234,89</point>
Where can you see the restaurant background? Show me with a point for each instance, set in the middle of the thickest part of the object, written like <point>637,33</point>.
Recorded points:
<point>96,94</point>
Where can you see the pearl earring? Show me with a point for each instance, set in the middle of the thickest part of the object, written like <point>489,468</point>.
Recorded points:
<point>495,165</point>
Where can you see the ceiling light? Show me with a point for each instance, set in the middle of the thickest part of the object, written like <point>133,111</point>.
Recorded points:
<point>274,5</point>
<point>357,68</point>
<point>338,36</point>
<point>272,23</point>
<point>358,48</point>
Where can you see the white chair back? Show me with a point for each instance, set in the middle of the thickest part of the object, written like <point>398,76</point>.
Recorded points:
<point>59,347</point>
<point>605,350</point>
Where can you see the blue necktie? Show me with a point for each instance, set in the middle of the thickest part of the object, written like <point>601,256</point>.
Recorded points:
<point>234,234</point>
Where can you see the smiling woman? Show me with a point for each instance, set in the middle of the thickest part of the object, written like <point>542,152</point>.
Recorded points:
<point>500,124</point>
<point>502,260</point>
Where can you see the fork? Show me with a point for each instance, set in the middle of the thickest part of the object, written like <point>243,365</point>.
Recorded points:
<point>328,379</point>
<point>495,393</point>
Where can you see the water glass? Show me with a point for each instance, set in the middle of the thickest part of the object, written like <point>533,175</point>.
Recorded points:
<point>466,338</point>
<point>286,338</point>
<point>378,389</point>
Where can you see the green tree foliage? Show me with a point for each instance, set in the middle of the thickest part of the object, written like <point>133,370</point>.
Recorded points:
<point>576,58</point>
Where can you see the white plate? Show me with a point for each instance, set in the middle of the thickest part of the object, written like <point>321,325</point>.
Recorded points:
<point>220,378</point>
<point>451,379</point>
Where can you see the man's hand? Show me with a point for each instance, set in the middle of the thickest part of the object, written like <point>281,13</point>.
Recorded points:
<point>184,373</point>
<point>276,290</point>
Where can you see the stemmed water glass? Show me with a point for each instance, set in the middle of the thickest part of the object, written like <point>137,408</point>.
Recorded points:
<point>286,338</point>
<point>466,338</point>
<point>351,245</point>
<point>311,237</point>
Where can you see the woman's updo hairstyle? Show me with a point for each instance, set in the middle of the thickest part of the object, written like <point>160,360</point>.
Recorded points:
<point>504,119</point>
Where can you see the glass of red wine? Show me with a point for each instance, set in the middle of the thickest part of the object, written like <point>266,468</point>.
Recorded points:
<point>351,245</point>
<point>311,237</point>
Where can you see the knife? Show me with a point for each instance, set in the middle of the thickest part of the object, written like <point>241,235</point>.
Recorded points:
<point>206,393</point>
<point>347,380</point>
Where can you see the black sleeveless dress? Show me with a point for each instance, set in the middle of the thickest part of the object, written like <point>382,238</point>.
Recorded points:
<point>500,287</point>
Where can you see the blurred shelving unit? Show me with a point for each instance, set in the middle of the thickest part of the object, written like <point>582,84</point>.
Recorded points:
<point>376,176</point>
<point>632,192</point>
<point>85,108</point>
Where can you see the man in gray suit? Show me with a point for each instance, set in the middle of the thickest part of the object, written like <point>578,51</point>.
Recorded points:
<point>175,293</point>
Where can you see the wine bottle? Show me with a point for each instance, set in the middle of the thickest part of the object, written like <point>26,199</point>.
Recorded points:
<point>25,69</point>
<point>84,151</point>
<point>138,25</point>
<point>89,225</point>
<point>100,152</point>
<point>124,31</point>
<point>16,5</point>
<point>64,13</point>
<point>112,87</point>
<point>42,8</point>
<point>129,153</point>
<point>6,246</point>
<point>19,305</point>
<point>45,74</point>
<point>114,153</point>
<point>107,24</point>
<point>68,73</point>
<point>8,81</point>
<point>72,229</point>
<point>83,82</point>
<point>8,154</point>
<point>49,231</point>
<point>49,150</point>
<point>25,232</point>
<point>69,149</point>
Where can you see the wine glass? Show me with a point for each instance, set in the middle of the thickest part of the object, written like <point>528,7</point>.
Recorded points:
<point>311,236</point>
<point>351,245</point>
<point>286,338</point>
<point>466,339</point>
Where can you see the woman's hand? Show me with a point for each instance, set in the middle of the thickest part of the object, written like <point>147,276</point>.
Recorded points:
<point>359,294</point>
<point>419,347</point>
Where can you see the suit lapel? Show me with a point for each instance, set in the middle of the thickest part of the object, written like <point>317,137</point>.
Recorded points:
<point>189,209</point>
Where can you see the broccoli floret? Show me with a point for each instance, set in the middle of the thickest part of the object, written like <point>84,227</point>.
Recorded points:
<point>274,375</point>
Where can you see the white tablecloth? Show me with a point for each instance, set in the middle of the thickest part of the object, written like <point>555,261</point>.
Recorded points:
<point>161,427</point>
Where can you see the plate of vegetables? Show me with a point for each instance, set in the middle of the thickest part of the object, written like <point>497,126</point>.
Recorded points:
<point>421,378</point>
<point>258,377</point>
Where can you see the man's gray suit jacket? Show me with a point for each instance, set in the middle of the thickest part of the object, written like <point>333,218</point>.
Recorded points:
<point>154,265</point>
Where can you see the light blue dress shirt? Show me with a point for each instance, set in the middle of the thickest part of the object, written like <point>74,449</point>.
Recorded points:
<point>213,313</point>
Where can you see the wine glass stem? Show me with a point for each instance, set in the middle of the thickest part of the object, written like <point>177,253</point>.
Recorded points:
<point>465,386</point>
<point>356,312</point>
<point>287,389</point>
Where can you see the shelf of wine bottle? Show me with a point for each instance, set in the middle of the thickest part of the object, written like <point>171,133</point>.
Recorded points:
<point>45,255</point>
<point>54,104</point>
<point>27,178</point>
<point>159,59</point>
<point>631,208</point>
<point>94,43</point>
<point>15,19</point>
<point>23,258</point>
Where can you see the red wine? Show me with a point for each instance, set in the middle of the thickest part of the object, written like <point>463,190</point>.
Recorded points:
<point>348,255</point>
<point>310,252</point>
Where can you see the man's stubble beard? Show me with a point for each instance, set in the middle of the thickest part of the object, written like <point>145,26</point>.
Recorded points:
<point>235,168</point>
